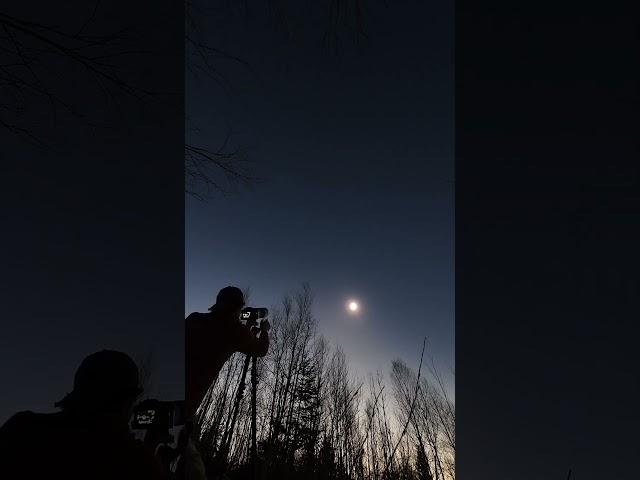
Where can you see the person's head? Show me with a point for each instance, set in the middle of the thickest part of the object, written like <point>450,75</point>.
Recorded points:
<point>105,385</point>
<point>229,302</point>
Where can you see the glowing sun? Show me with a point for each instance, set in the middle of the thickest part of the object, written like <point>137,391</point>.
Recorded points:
<point>353,306</point>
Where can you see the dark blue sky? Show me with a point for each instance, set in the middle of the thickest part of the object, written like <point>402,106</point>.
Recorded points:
<point>355,156</point>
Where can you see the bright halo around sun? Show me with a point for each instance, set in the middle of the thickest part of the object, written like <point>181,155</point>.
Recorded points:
<point>353,306</point>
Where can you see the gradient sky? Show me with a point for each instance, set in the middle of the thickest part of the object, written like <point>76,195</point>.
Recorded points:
<point>355,156</point>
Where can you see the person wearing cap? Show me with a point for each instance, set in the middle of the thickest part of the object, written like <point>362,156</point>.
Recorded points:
<point>90,436</point>
<point>210,340</point>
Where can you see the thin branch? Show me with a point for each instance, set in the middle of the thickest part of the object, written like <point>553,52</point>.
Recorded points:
<point>413,404</point>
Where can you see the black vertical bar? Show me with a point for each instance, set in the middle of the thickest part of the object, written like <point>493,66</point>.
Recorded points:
<point>254,448</point>
<point>547,201</point>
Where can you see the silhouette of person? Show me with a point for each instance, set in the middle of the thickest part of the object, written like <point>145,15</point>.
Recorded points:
<point>90,436</point>
<point>210,340</point>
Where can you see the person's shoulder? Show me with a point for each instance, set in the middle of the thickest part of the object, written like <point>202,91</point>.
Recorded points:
<point>25,415</point>
<point>26,423</point>
<point>198,320</point>
<point>195,316</point>
<point>24,419</point>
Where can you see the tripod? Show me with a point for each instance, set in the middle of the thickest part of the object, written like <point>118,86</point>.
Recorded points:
<point>225,444</point>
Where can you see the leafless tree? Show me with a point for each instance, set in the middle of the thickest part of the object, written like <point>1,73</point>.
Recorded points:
<point>32,53</point>
<point>31,56</point>
<point>431,416</point>
<point>315,419</point>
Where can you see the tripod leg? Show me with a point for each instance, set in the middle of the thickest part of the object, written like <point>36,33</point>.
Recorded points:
<point>225,444</point>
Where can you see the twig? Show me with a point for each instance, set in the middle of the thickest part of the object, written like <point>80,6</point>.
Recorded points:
<point>413,404</point>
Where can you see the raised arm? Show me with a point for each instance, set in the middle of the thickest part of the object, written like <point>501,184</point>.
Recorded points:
<point>247,341</point>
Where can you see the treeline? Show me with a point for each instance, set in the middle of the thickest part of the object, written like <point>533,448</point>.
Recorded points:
<point>316,421</point>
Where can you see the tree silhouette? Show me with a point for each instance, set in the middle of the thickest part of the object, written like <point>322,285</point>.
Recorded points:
<point>315,421</point>
<point>31,51</point>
